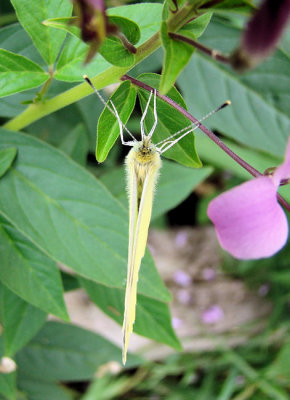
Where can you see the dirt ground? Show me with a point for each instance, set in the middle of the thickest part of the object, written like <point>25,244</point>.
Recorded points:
<point>209,309</point>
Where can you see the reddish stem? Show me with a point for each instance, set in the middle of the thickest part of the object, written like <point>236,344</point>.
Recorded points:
<point>210,52</point>
<point>253,171</point>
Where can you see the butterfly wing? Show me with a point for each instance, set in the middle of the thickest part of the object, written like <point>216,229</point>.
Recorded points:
<point>141,184</point>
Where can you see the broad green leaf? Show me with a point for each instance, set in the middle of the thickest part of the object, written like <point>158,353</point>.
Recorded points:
<point>211,154</point>
<point>15,39</point>
<point>112,48</point>
<point>108,129</point>
<point>258,116</point>
<point>176,56</point>
<point>178,53</point>
<point>8,385</point>
<point>20,321</point>
<point>76,144</point>
<point>18,73</point>
<point>37,389</point>
<point>26,271</point>
<point>152,317</point>
<point>31,14</point>
<point>67,353</point>
<point>115,53</point>
<point>76,221</point>
<point>7,157</point>
<point>197,27</point>
<point>70,66</point>
<point>175,183</point>
<point>169,121</point>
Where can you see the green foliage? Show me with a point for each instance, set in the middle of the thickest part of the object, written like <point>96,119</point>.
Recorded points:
<point>6,159</point>
<point>57,206</point>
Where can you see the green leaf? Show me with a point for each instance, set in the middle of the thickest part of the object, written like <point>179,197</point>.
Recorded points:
<point>31,14</point>
<point>175,183</point>
<point>27,271</point>
<point>178,53</point>
<point>37,389</point>
<point>176,56</point>
<point>76,220</point>
<point>213,155</point>
<point>115,53</point>
<point>20,320</point>
<point>169,121</point>
<point>8,385</point>
<point>197,27</point>
<point>70,64</point>
<point>280,368</point>
<point>108,129</point>
<point>67,353</point>
<point>259,114</point>
<point>15,39</point>
<point>152,317</point>
<point>76,144</point>
<point>7,157</point>
<point>112,49</point>
<point>242,6</point>
<point>18,73</point>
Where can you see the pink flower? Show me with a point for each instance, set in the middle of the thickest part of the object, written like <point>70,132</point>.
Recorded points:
<point>212,315</point>
<point>248,220</point>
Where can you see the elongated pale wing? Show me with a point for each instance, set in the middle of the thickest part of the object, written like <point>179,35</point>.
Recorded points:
<point>141,185</point>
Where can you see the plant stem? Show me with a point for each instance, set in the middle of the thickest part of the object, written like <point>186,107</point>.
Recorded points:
<point>215,54</point>
<point>253,171</point>
<point>112,75</point>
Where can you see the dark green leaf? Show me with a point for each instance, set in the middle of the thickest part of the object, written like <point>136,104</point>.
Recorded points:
<point>76,144</point>
<point>20,320</point>
<point>6,159</point>
<point>70,282</point>
<point>15,39</point>
<point>259,114</point>
<point>169,122</point>
<point>178,53</point>
<point>176,182</point>
<point>31,14</point>
<point>108,130</point>
<point>18,73</point>
<point>70,215</point>
<point>152,317</point>
<point>68,353</point>
<point>27,271</point>
<point>37,389</point>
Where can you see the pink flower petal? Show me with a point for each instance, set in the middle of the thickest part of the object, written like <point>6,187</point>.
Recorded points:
<point>182,278</point>
<point>249,221</point>
<point>283,172</point>
<point>212,315</point>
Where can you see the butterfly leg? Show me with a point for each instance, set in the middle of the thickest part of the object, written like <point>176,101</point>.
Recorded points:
<point>143,117</point>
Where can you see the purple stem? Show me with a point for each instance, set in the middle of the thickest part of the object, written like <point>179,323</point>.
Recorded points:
<point>206,50</point>
<point>253,171</point>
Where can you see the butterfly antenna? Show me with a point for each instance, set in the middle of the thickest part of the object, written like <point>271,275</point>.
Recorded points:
<point>188,129</point>
<point>113,110</point>
<point>196,124</point>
